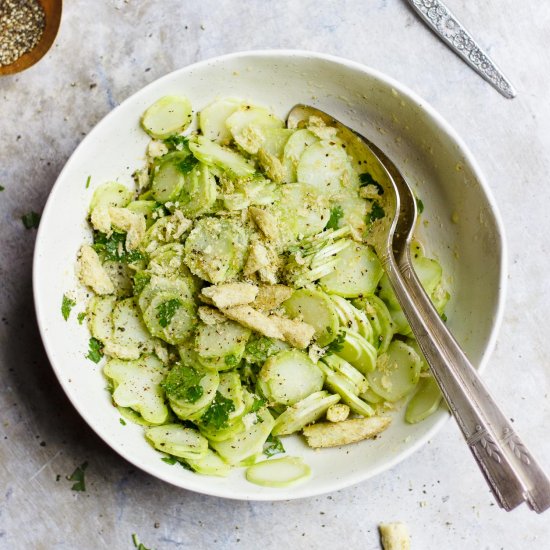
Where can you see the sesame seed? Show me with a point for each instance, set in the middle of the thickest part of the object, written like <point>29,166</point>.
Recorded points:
<point>22,24</point>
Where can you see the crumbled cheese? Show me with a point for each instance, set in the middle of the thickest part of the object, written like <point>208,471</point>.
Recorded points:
<point>329,434</point>
<point>249,420</point>
<point>272,296</point>
<point>394,536</point>
<point>250,139</point>
<point>160,351</point>
<point>266,222</point>
<point>100,219</point>
<point>131,222</point>
<point>156,149</point>
<point>315,352</point>
<point>297,333</point>
<point>338,412</point>
<point>230,294</point>
<point>258,257</point>
<point>112,349</point>
<point>91,272</point>
<point>210,316</point>
<point>255,320</point>
<point>272,166</point>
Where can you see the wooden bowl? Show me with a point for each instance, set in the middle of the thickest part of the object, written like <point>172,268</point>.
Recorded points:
<point>52,12</point>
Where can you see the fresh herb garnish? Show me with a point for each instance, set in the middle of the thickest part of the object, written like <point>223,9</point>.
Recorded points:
<point>141,279</point>
<point>169,460</point>
<point>95,350</point>
<point>122,421</point>
<point>257,404</point>
<point>167,310</point>
<point>113,248</point>
<point>273,446</point>
<point>444,317</point>
<point>376,212</point>
<point>2,188</point>
<point>80,317</point>
<point>367,179</point>
<point>419,205</point>
<point>183,384</point>
<point>138,544</point>
<point>66,305</point>
<point>258,350</point>
<point>231,360</point>
<point>88,181</point>
<point>217,415</point>
<point>78,477</point>
<point>187,164</point>
<point>30,220</point>
<point>176,142</point>
<point>338,343</point>
<point>336,214</point>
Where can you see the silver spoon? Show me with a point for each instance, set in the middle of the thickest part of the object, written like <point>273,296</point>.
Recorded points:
<point>513,474</point>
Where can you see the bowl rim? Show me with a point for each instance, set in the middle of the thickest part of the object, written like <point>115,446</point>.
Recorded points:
<point>440,123</point>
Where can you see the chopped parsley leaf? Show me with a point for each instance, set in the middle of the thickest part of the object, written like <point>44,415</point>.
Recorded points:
<point>80,317</point>
<point>376,213</point>
<point>138,544</point>
<point>2,188</point>
<point>257,404</point>
<point>187,164</point>
<point>217,415</point>
<point>78,477</point>
<point>338,343</point>
<point>183,384</point>
<point>30,220</point>
<point>336,214</point>
<point>113,248</point>
<point>95,351</point>
<point>367,179</point>
<point>66,305</point>
<point>166,311</point>
<point>259,349</point>
<point>444,317</point>
<point>88,181</point>
<point>177,142</point>
<point>419,205</point>
<point>169,460</point>
<point>231,360</point>
<point>122,421</point>
<point>140,281</point>
<point>273,446</point>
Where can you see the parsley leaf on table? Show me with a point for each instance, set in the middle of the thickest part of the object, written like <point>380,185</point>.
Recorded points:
<point>30,220</point>
<point>78,477</point>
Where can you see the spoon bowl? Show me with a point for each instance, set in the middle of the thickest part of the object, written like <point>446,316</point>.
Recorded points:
<point>512,473</point>
<point>52,14</point>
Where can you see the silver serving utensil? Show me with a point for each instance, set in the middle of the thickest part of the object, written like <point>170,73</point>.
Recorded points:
<point>443,22</point>
<point>513,474</point>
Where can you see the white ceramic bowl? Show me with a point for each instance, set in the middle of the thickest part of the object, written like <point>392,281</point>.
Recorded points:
<point>432,158</point>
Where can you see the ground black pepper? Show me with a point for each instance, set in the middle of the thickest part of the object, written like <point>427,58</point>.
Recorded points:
<point>22,24</point>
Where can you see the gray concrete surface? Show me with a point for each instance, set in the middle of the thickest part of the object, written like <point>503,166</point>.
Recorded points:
<point>108,49</point>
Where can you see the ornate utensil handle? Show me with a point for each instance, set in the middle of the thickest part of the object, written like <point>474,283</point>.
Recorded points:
<point>444,23</point>
<point>513,474</point>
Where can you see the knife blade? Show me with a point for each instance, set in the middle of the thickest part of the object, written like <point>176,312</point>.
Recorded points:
<point>441,20</point>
